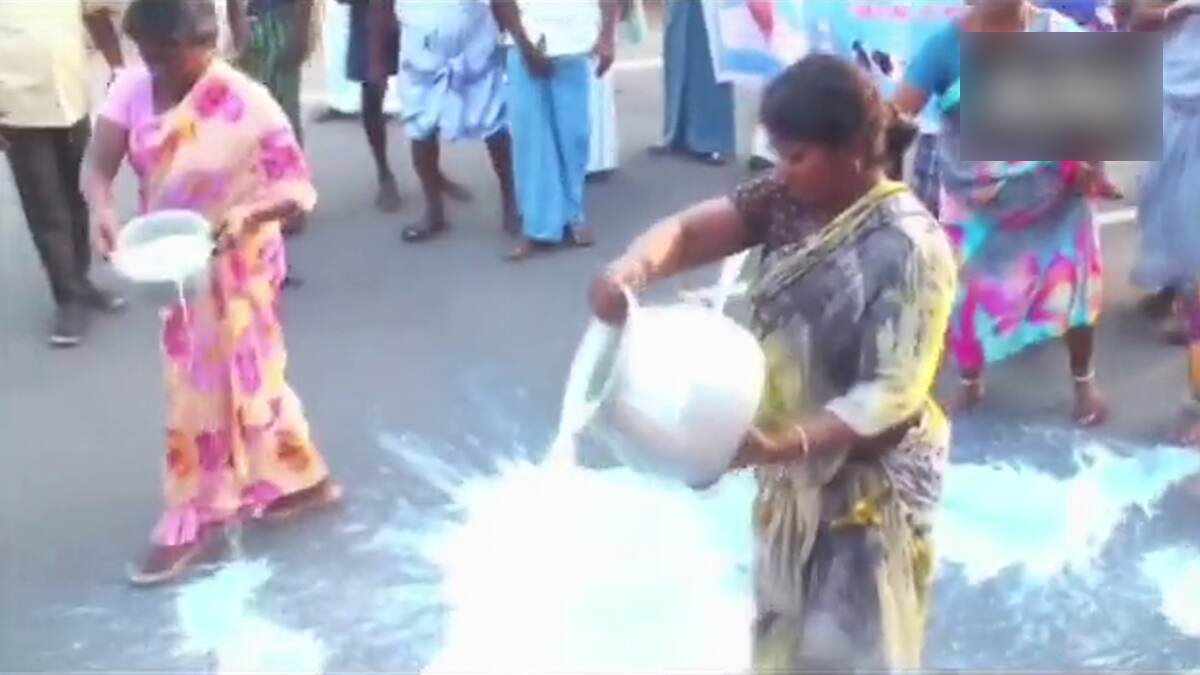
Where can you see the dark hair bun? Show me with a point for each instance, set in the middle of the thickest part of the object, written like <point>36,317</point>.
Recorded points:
<point>828,100</point>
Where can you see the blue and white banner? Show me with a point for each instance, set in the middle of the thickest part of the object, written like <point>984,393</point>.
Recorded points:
<point>753,40</point>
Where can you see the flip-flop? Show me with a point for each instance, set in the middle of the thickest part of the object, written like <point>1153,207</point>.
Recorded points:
<point>204,547</point>
<point>331,494</point>
<point>523,251</point>
<point>415,234</point>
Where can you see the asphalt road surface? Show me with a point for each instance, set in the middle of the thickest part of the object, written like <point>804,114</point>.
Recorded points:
<point>464,355</point>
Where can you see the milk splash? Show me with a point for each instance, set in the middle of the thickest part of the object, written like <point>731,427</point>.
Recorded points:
<point>998,516</point>
<point>216,619</point>
<point>1175,573</point>
<point>528,566</point>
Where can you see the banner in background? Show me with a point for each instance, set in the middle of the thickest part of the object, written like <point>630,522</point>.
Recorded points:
<point>753,40</point>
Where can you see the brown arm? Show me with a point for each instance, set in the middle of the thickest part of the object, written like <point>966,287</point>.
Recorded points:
<point>702,234</point>
<point>100,27</point>
<point>239,26</point>
<point>508,14</point>
<point>102,160</point>
<point>910,100</point>
<point>1155,15</point>
<point>300,36</point>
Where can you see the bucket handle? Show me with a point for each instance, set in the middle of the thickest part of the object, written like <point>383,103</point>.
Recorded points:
<point>631,302</point>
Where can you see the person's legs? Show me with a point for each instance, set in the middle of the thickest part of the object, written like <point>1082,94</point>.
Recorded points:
<point>674,66</point>
<point>375,126</point>
<point>1090,406</point>
<point>1188,432</point>
<point>499,146</point>
<point>70,156</point>
<point>537,171</point>
<point>708,129</point>
<point>36,156</point>
<point>425,155</point>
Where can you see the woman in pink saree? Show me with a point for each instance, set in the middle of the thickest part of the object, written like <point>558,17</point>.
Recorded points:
<point>202,136</point>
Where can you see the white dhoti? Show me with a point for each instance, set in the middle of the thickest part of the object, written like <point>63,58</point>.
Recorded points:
<point>602,155</point>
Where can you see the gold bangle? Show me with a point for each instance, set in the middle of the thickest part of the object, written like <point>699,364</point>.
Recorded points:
<point>803,438</point>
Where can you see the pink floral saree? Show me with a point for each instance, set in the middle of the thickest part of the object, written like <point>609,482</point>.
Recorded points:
<point>237,439</point>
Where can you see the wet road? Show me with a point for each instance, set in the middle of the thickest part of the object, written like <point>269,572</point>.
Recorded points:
<point>445,351</point>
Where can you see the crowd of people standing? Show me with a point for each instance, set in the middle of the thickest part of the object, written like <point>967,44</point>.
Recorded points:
<point>864,283</point>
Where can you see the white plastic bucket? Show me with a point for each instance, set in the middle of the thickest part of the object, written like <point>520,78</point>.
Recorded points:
<point>166,252</point>
<point>671,393</point>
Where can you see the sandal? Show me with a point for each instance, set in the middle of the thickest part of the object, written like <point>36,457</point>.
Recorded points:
<point>321,496</point>
<point>524,250</point>
<point>415,234</point>
<point>164,564</point>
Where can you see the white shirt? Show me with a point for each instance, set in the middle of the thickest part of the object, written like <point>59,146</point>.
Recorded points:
<point>433,14</point>
<point>568,27</point>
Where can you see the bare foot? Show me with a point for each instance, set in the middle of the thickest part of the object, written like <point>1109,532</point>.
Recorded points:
<point>969,396</point>
<point>1091,410</point>
<point>388,199</point>
<point>1187,427</point>
<point>455,191</point>
<point>164,564</point>
<point>322,495</point>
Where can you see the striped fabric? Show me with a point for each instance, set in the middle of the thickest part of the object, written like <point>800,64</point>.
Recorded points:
<point>266,58</point>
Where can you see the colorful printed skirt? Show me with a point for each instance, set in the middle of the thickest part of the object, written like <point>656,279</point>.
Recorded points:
<point>237,439</point>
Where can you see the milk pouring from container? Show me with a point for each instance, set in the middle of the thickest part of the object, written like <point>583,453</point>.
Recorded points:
<point>671,393</point>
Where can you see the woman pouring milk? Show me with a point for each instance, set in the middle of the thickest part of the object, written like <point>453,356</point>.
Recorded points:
<point>851,307</point>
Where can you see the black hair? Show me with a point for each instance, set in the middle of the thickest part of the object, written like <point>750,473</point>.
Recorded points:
<point>827,100</point>
<point>191,23</point>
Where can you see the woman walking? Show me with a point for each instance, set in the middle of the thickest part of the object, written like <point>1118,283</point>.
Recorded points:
<point>1025,233</point>
<point>200,135</point>
<point>856,288</point>
<point>1169,207</point>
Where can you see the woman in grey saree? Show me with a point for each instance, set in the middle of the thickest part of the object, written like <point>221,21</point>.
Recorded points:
<point>852,306</point>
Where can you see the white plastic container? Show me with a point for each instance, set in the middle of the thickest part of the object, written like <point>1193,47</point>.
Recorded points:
<point>166,252</point>
<point>671,393</point>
